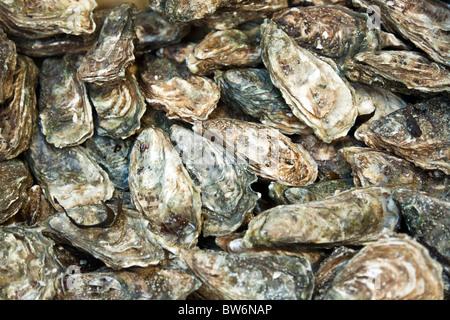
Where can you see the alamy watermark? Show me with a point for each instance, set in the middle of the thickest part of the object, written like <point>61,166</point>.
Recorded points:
<point>374,21</point>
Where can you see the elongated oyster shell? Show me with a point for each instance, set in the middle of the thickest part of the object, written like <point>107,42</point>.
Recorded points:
<point>425,23</point>
<point>8,56</point>
<point>29,268</point>
<point>311,87</point>
<point>39,19</point>
<point>170,87</point>
<point>392,268</point>
<point>113,52</point>
<point>356,216</point>
<point>15,179</point>
<point>251,276</point>
<point>405,72</point>
<point>418,133</point>
<point>64,109</point>
<point>225,183</point>
<point>163,192</point>
<point>18,116</point>
<point>69,176</point>
<point>269,153</point>
<point>252,91</point>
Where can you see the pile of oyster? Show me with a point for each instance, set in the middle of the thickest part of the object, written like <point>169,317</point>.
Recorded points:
<point>225,149</point>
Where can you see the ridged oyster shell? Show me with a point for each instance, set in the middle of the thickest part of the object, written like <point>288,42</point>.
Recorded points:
<point>8,56</point>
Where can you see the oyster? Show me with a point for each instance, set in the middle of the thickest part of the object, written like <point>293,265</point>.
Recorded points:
<point>69,176</point>
<point>392,268</point>
<point>251,276</point>
<point>37,208</point>
<point>18,116</point>
<point>223,48</point>
<point>225,183</point>
<point>64,109</point>
<point>8,56</point>
<point>163,192</point>
<point>178,52</point>
<point>405,72</point>
<point>31,19</point>
<point>270,154</point>
<point>119,107</point>
<point>170,87</point>
<point>15,180</point>
<point>29,269</point>
<point>418,133</point>
<point>311,87</point>
<point>352,217</point>
<point>251,91</point>
<point>113,51</point>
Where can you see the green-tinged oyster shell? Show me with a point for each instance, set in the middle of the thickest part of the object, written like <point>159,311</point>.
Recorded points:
<point>8,56</point>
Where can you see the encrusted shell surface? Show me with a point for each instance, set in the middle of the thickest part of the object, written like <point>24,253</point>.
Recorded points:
<point>8,56</point>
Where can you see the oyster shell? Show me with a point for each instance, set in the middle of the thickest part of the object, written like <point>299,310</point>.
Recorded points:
<point>113,51</point>
<point>15,180</point>
<point>18,115</point>
<point>178,52</point>
<point>392,268</point>
<point>311,87</point>
<point>64,109</point>
<point>29,268</point>
<point>37,208</point>
<point>418,133</point>
<point>163,192</point>
<point>252,91</point>
<point>251,276</point>
<point>8,56</point>
<point>69,176</point>
<point>270,154</point>
<point>352,217</point>
<point>31,19</point>
<point>225,183</point>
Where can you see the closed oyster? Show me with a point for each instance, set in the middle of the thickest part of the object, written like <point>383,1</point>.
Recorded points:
<point>38,208</point>
<point>418,133</point>
<point>64,109</point>
<point>178,52</point>
<point>225,183</point>
<point>223,48</point>
<point>252,91</point>
<point>163,192</point>
<point>352,217</point>
<point>18,116</point>
<point>311,87</point>
<point>270,154</point>
<point>425,23</point>
<point>392,268</point>
<point>251,276</point>
<point>119,107</point>
<point>405,72</point>
<point>170,87</point>
<point>113,51</point>
<point>15,179</point>
<point>29,268</point>
<point>69,176</point>
<point>8,56</point>
<point>31,19</point>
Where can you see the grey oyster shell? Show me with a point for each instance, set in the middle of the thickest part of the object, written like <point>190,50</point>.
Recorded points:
<point>225,183</point>
<point>36,279</point>
<point>397,132</point>
<point>404,72</point>
<point>221,49</point>
<point>425,23</point>
<point>392,268</point>
<point>270,154</point>
<point>170,87</point>
<point>251,276</point>
<point>152,283</point>
<point>69,176</point>
<point>354,217</point>
<point>31,19</point>
<point>125,244</point>
<point>65,112</point>
<point>8,56</point>
<point>113,51</point>
<point>18,115</point>
<point>163,191</point>
<point>15,180</point>
<point>252,91</point>
<point>317,95</point>
<point>119,107</point>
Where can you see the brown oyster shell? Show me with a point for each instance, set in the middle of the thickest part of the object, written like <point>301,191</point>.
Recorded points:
<point>8,56</point>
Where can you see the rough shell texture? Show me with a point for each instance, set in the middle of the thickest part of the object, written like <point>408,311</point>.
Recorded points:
<point>8,56</point>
